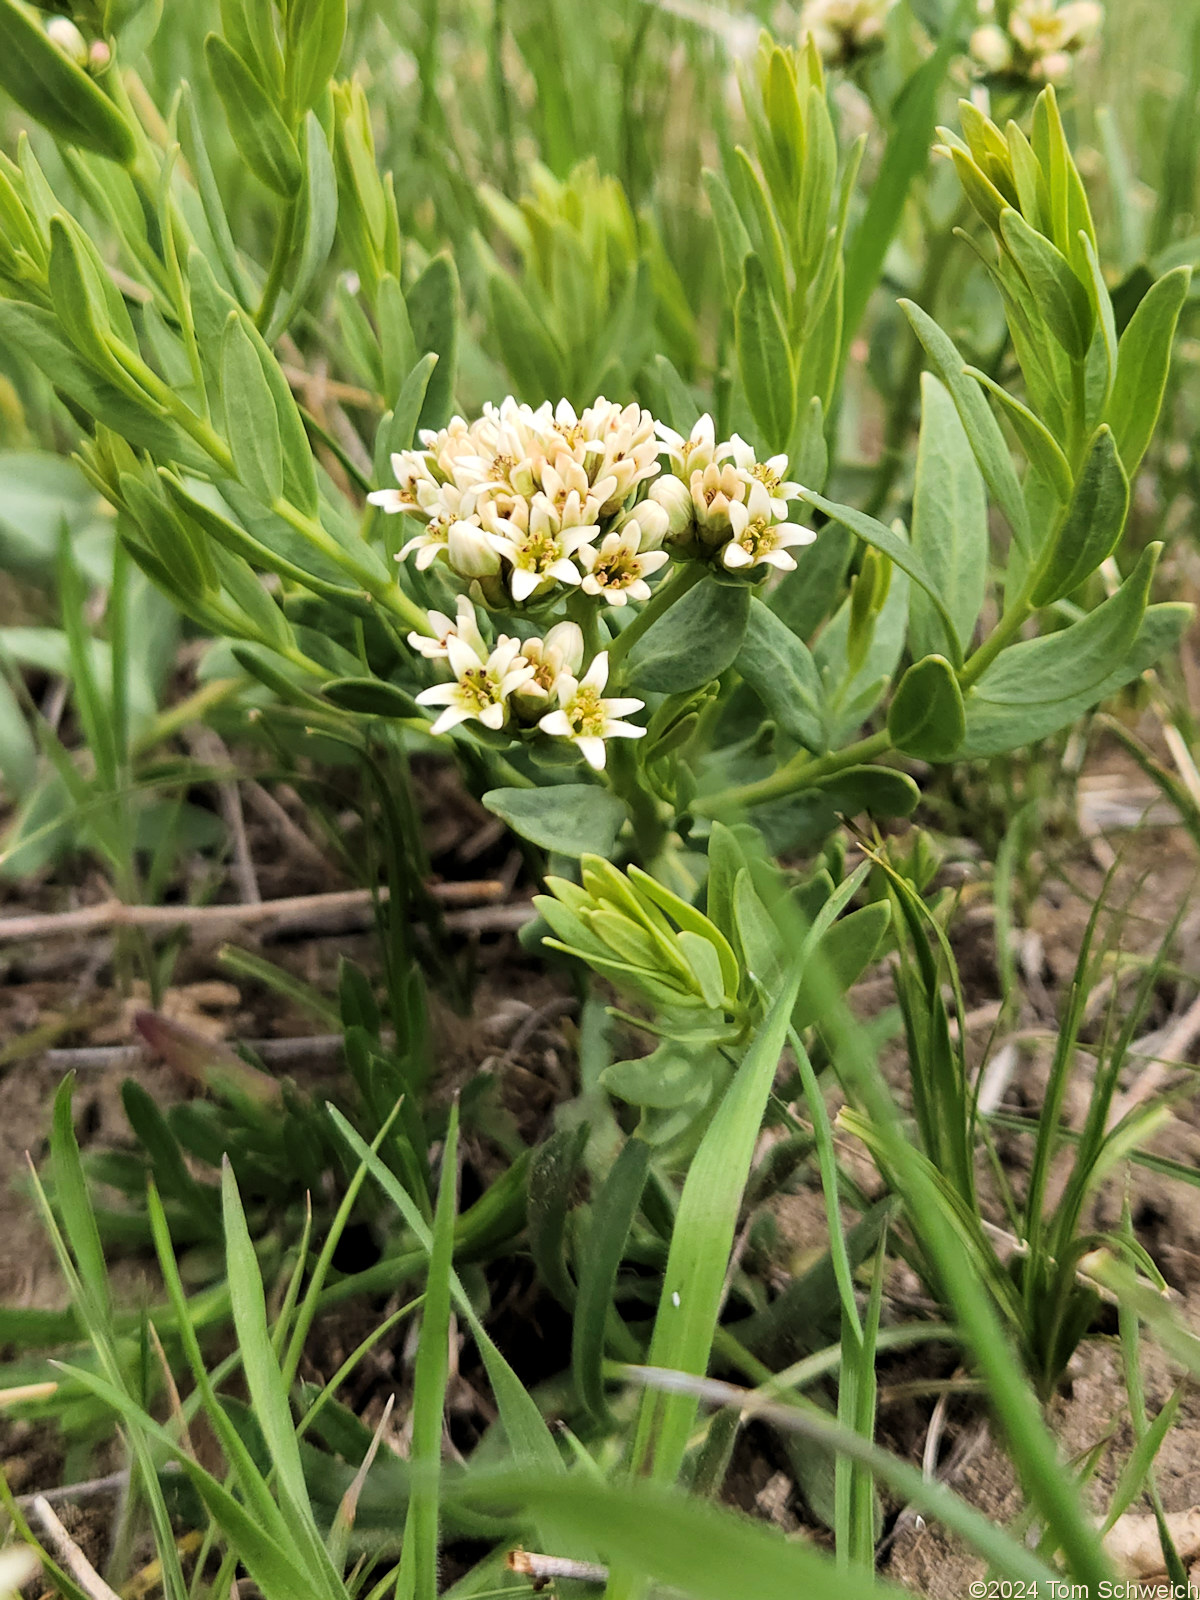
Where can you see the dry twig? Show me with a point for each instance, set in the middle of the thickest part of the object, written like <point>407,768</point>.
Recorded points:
<point>293,911</point>
<point>69,1553</point>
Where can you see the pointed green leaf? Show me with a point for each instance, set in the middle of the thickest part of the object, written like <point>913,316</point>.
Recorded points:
<point>314,36</point>
<point>433,311</point>
<point>781,671</point>
<point>764,357</point>
<point>1060,296</point>
<point>984,432</point>
<point>1092,524</point>
<point>949,526</point>
<point>1143,362</point>
<point>250,421</point>
<point>258,130</point>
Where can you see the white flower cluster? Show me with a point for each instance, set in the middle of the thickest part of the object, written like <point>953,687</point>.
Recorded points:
<point>843,29</point>
<point>534,681</point>
<point>524,502</point>
<point>1040,40</point>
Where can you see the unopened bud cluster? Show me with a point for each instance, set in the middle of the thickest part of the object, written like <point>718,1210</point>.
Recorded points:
<point>1036,40</point>
<point>527,503</point>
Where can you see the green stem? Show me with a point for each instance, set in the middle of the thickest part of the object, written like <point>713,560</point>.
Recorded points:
<point>801,772</point>
<point>649,829</point>
<point>1002,635</point>
<point>676,586</point>
<point>280,257</point>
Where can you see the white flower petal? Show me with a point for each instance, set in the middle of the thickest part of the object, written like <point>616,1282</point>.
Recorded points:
<point>438,694</point>
<point>733,555</point>
<point>593,752</point>
<point>450,718</point>
<point>556,724</point>
<point>622,730</point>
<point>596,675</point>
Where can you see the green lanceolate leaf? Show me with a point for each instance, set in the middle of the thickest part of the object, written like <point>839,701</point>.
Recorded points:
<point>732,238</point>
<point>318,208</point>
<point>984,432</point>
<point>258,130</point>
<point>694,640</point>
<point>926,717</point>
<point>1058,293</point>
<point>764,358</point>
<point>612,1216</point>
<point>572,819</point>
<point>370,697</point>
<point>433,311</point>
<point>1143,361</point>
<point>315,32</point>
<point>250,420</point>
<point>781,671</point>
<point>1078,658</point>
<point>85,300</point>
<point>1091,525</point>
<point>846,952</point>
<point>996,726</point>
<point>949,526</point>
<point>47,85</point>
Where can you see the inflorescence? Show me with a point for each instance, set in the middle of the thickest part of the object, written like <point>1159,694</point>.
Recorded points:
<point>531,507</point>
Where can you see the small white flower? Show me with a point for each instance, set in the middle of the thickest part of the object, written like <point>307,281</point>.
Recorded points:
<point>482,684</point>
<point>561,651</point>
<point>618,569</point>
<point>444,505</point>
<point>772,473</point>
<point>713,492</point>
<point>539,553</point>
<point>464,625</point>
<point>690,454</point>
<point>586,718</point>
<point>758,538</point>
<point>411,469</point>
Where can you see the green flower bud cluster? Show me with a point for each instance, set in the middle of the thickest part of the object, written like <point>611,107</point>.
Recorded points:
<point>632,930</point>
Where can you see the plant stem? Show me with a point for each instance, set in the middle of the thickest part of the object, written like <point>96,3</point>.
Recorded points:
<point>1003,634</point>
<point>279,260</point>
<point>801,772</point>
<point>684,578</point>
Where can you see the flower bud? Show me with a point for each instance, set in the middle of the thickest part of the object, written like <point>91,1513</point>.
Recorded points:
<point>61,31</point>
<point>470,551</point>
<point>991,48</point>
<point>652,522</point>
<point>675,499</point>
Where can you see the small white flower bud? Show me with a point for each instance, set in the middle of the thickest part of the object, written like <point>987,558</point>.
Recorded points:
<point>991,48</point>
<point>653,523</point>
<point>470,551</point>
<point>61,31</point>
<point>675,499</point>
